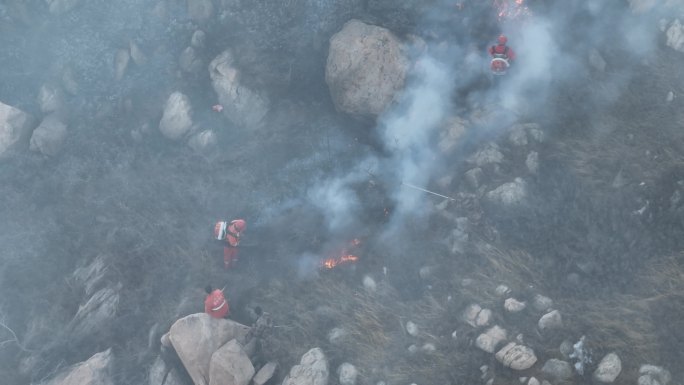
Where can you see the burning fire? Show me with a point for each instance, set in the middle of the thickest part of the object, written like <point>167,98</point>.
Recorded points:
<point>331,263</point>
<point>511,9</point>
<point>343,256</point>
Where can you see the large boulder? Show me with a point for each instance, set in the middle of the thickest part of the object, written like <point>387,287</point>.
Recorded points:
<point>95,371</point>
<point>509,195</point>
<point>230,365</point>
<point>15,129</point>
<point>608,369</point>
<point>160,374</point>
<point>244,106</point>
<point>517,357</point>
<point>366,68</point>
<point>312,370</point>
<point>654,375</point>
<point>196,337</point>
<point>176,122</point>
<point>488,340</point>
<point>49,136</point>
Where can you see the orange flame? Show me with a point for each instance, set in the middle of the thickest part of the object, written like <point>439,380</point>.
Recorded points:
<point>511,9</point>
<point>331,263</point>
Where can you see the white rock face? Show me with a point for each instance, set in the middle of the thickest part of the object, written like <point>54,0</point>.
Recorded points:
<point>369,284</point>
<point>488,340</point>
<point>196,337</point>
<point>608,369</point>
<point>412,329</point>
<point>516,357</point>
<point>366,68</point>
<point>200,10</point>
<point>490,154</point>
<point>557,369</point>
<point>243,106</point>
<point>512,305</point>
<point>230,365</point>
<point>675,36</point>
<point>653,375</point>
<point>347,373</point>
<point>50,98</point>
<point>95,371</point>
<point>265,373</point>
<point>92,275</point>
<point>97,313</point>
<point>312,370</point>
<point>509,194</point>
<point>176,122</point>
<point>49,136</point>
<point>15,129</point>
<point>550,320</point>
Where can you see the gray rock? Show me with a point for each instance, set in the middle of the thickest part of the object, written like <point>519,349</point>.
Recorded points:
<point>502,290</point>
<point>157,372</point>
<point>61,6</point>
<point>518,135</point>
<point>347,373</point>
<point>490,154</point>
<point>532,162</point>
<point>412,329</point>
<point>97,370</point>
<point>566,348</point>
<point>196,337</point>
<point>97,313</point>
<point>230,365</point>
<point>176,122</point>
<point>366,68</point>
<point>138,56</point>
<point>675,36</point>
<point>488,340</point>
<point>244,106</point>
<point>476,316</point>
<point>200,10</point>
<point>608,369</point>
<point>50,98</point>
<point>91,277</point>
<point>451,135</point>
<point>199,39</point>
<point>533,381</point>
<point>369,284</point>
<point>312,370</point>
<point>512,305</point>
<point>265,373</point>
<point>474,177</point>
<point>653,375</point>
<point>550,320</point>
<point>189,61</point>
<point>516,357</point>
<point>49,136</point>
<point>596,60</point>
<point>15,130</point>
<point>203,141</point>
<point>512,194</point>
<point>542,303</point>
<point>557,369</point>
<point>121,59</point>
<point>336,335</point>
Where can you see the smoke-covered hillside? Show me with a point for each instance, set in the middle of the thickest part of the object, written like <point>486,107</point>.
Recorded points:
<point>401,201</point>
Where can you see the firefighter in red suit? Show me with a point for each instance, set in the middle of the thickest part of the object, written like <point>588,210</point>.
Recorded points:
<point>215,304</point>
<point>502,56</point>
<point>230,233</point>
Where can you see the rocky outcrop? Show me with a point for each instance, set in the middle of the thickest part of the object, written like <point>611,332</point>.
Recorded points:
<point>476,316</point>
<point>653,375</point>
<point>160,374</point>
<point>15,129</point>
<point>347,374</point>
<point>97,313</point>
<point>509,195</point>
<point>196,337</point>
<point>675,36</point>
<point>49,136</point>
<point>202,141</point>
<point>451,135</point>
<point>516,357</point>
<point>230,365</point>
<point>176,122</point>
<point>92,276</point>
<point>489,340</point>
<point>312,370</point>
<point>95,371</point>
<point>244,106</point>
<point>265,373</point>
<point>366,68</point>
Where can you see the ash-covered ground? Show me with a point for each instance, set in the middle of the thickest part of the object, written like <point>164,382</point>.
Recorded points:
<point>599,231</point>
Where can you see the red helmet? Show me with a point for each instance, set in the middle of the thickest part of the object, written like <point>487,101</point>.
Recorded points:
<point>502,39</point>
<point>239,225</point>
<point>220,230</point>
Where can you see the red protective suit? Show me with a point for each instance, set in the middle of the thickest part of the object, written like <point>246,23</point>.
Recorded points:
<point>502,50</point>
<point>230,249</point>
<point>216,305</point>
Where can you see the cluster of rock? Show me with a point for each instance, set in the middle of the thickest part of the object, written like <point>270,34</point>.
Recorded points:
<point>512,351</point>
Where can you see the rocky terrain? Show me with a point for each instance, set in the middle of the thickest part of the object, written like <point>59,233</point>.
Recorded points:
<point>522,231</point>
